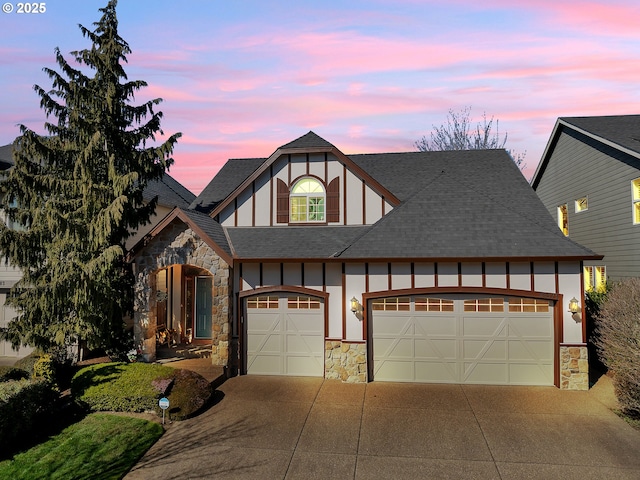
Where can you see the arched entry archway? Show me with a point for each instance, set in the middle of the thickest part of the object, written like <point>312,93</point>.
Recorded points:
<point>185,304</point>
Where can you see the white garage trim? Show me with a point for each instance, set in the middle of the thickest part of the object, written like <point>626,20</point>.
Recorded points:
<point>474,337</point>
<point>284,334</point>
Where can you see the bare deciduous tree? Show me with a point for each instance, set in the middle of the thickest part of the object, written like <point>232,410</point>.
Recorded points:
<point>457,134</point>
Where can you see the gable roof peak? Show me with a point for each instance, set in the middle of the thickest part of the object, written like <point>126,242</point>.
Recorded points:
<point>308,140</point>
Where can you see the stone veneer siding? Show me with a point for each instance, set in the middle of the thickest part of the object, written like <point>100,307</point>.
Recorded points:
<point>574,368</point>
<point>345,361</point>
<point>179,245</point>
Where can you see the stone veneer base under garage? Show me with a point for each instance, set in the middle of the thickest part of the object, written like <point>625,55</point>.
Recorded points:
<point>574,367</point>
<point>345,361</point>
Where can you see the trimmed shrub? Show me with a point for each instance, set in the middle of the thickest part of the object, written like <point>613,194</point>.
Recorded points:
<point>120,387</point>
<point>618,341</point>
<point>189,394</point>
<point>137,387</point>
<point>25,406</point>
<point>12,373</point>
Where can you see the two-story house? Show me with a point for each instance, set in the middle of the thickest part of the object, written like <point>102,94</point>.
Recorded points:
<point>407,267</point>
<point>170,194</point>
<point>589,180</point>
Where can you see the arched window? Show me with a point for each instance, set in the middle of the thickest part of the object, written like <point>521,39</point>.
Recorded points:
<point>307,201</point>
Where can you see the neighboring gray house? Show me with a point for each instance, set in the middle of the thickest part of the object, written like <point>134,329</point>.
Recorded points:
<point>170,194</point>
<point>413,267</point>
<point>589,180</point>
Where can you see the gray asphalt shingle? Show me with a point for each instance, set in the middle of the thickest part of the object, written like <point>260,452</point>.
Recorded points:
<point>454,204</point>
<point>292,242</point>
<point>210,227</point>
<point>230,176</point>
<point>623,130</point>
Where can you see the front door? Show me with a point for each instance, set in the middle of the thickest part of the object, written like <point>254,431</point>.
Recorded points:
<point>203,307</point>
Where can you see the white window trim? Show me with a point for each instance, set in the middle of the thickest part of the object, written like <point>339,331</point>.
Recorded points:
<point>575,205</point>
<point>307,196</point>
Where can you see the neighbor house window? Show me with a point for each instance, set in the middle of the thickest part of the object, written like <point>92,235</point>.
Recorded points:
<point>595,278</point>
<point>307,201</point>
<point>563,219</point>
<point>635,190</point>
<point>582,204</point>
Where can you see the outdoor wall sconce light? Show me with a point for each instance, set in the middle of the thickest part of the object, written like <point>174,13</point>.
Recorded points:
<point>355,305</point>
<point>574,308</point>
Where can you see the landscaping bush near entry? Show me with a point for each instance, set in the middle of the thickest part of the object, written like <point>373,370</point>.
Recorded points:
<point>137,387</point>
<point>618,341</point>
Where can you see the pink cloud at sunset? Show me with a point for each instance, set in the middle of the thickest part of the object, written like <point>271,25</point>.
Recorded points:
<point>240,79</point>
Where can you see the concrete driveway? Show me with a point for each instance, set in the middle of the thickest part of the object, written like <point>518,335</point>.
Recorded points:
<point>308,428</point>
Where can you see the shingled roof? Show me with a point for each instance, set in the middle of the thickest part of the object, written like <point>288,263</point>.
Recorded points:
<point>473,205</point>
<point>232,174</point>
<point>292,242</point>
<point>6,157</point>
<point>622,130</point>
<point>169,191</point>
<point>459,204</point>
<point>308,140</point>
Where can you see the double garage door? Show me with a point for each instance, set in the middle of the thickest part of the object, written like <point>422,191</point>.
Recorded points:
<point>493,340</point>
<point>285,335</point>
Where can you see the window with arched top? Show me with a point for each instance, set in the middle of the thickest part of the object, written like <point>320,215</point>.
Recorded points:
<point>307,201</point>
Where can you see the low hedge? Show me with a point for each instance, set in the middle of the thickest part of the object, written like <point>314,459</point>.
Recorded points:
<point>25,407</point>
<point>137,387</point>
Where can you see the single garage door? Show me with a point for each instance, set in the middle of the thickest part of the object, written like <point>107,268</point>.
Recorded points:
<point>489,340</point>
<point>285,335</point>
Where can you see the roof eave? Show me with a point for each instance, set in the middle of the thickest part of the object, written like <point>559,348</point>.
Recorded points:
<point>525,258</point>
<point>162,224</point>
<point>560,122</point>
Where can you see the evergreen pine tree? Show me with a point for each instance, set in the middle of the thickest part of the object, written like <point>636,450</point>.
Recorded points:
<point>77,194</point>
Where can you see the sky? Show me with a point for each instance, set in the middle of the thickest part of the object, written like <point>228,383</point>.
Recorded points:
<point>240,78</point>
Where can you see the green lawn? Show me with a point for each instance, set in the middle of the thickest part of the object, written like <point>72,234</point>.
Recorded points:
<point>99,447</point>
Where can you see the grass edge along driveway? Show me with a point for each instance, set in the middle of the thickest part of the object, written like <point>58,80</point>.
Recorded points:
<point>100,446</point>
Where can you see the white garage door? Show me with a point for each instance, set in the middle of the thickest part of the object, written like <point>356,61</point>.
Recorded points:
<point>491,340</point>
<point>285,336</point>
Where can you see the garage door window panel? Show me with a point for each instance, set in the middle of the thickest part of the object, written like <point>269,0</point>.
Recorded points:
<point>528,305</point>
<point>395,304</point>
<point>484,305</point>
<point>433,304</point>
<point>303,303</point>
<point>264,302</point>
